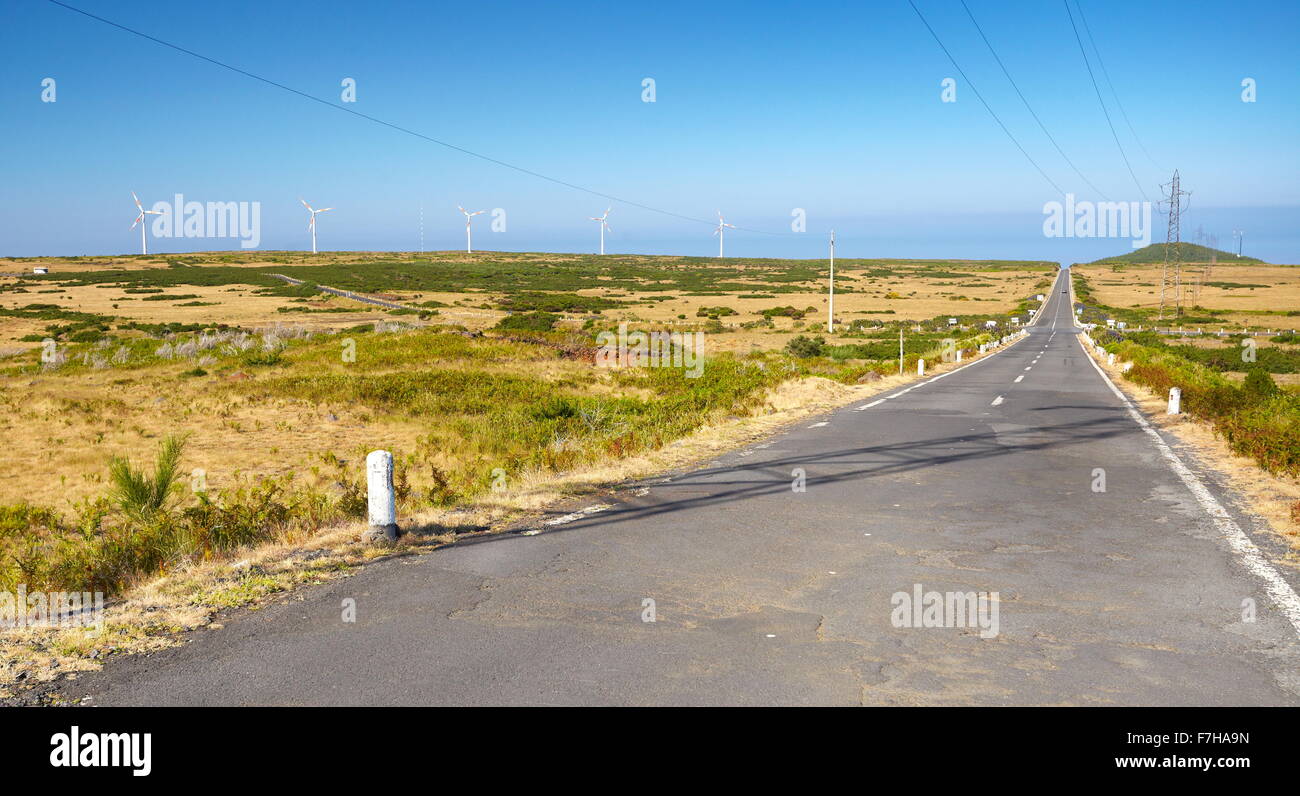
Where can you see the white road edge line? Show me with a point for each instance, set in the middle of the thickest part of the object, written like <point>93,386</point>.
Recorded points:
<point>567,518</point>
<point>1247,552</point>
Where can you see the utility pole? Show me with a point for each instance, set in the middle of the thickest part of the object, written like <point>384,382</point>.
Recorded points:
<point>1171,282</point>
<point>421,228</point>
<point>900,349</point>
<point>1212,241</point>
<point>830,304</point>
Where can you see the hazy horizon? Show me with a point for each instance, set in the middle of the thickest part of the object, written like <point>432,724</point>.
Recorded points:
<point>974,237</point>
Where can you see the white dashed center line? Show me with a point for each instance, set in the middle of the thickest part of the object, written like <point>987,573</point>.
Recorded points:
<point>1018,378</point>
<point>997,401</point>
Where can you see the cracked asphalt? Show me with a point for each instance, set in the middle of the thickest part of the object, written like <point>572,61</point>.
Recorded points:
<point>765,596</point>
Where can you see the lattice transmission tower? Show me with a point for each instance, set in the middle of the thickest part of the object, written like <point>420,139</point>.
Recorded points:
<point>1171,282</point>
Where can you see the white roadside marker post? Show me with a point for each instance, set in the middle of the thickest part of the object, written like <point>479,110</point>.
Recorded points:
<point>1110,360</point>
<point>1175,401</point>
<point>382,501</point>
<point>920,367</point>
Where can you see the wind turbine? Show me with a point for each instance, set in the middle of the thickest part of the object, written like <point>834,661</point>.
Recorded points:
<point>144,248</point>
<point>469,248</point>
<point>603,226</point>
<point>312,224</point>
<point>1239,234</point>
<point>721,231</point>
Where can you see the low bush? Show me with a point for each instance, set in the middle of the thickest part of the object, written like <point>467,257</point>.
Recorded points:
<point>714,312</point>
<point>555,302</point>
<point>138,529</point>
<point>1256,420</point>
<point>804,347</point>
<point>537,321</point>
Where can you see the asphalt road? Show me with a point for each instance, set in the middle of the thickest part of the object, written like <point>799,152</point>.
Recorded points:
<point>979,481</point>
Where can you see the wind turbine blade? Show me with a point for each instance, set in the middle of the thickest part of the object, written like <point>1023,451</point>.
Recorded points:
<point>138,219</point>
<point>323,209</point>
<point>137,200</point>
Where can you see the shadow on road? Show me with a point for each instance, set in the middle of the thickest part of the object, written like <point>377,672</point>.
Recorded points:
<point>704,488</point>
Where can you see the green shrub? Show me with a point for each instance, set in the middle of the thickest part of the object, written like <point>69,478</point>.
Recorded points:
<point>804,347</point>
<point>786,312</point>
<point>261,358</point>
<point>714,312</point>
<point>86,336</point>
<point>1259,384</point>
<point>556,302</point>
<point>143,495</point>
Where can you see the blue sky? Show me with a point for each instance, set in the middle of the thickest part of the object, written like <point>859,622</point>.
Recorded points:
<point>760,108</point>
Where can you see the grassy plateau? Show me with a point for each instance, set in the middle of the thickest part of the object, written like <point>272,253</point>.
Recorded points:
<point>161,411</point>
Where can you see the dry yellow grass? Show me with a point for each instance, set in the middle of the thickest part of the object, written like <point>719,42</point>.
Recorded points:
<point>61,431</point>
<point>907,296</point>
<point>1130,286</point>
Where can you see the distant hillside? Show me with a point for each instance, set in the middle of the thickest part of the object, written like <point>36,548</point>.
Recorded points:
<point>1190,253</point>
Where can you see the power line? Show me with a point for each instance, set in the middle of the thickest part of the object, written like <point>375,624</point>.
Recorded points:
<point>1026,102</point>
<point>1113,93</point>
<point>1093,78</point>
<point>971,83</point>
<point>401,129</point>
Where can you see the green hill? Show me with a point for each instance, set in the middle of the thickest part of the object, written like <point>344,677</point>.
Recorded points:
<point>1190,253</point>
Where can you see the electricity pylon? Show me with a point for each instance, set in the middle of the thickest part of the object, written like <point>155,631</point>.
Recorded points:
<point>1171,282</point>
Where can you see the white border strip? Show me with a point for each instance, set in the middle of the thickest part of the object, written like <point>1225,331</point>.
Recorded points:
<point>1247,552</point>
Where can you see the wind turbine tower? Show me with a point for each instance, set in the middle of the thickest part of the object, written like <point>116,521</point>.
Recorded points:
<point>469,241</point>
<point>144,246</point>
<point>721,231</point>
<point>312,224</point>
<point>603,226</point>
